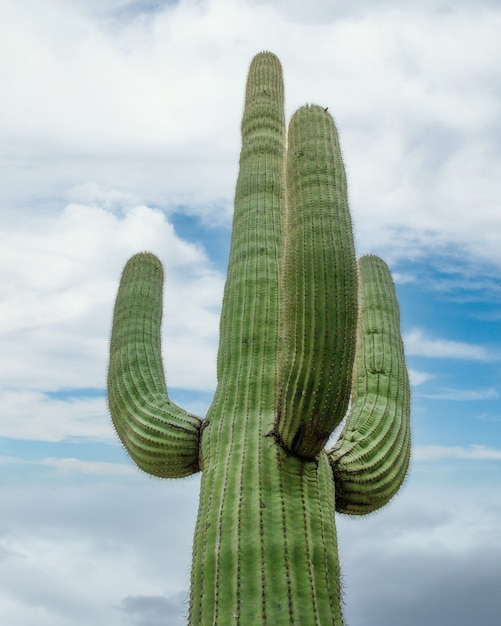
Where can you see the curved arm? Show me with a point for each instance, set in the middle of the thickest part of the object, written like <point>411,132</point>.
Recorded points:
<point>161,438</point>
<point>371,457</point>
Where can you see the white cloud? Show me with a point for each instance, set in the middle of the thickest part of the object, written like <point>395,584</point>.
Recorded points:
<point>159,610</point>
<point>400,278</point>
<point>418,344</point>
<point>418,378</point>
<point>439,453</point>
<point>60,277</point>
<point>34,416</point>
<point>73,557</point>
<point>71,467</point>
<point>488,417</point>
<point>59,548</point>
<point>100,468</point>
<point>151,107</point>
<point>60,274</point>
<point>462,395</point>
<point>424,557</point>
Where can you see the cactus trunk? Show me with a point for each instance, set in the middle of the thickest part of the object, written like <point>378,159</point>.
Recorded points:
<point>265,543</point>
<point>298,314</point>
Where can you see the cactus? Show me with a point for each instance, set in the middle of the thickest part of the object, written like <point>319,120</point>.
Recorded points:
<point>307,335</point>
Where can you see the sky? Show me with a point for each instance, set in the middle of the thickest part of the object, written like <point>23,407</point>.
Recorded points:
<point>120,132</point>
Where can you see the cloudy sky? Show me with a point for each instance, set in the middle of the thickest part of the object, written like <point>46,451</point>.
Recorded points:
<point>119,132</point>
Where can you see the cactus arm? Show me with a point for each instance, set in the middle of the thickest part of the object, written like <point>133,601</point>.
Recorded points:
<point>319,287</point>
<point>161,438</point>
<point>371,456</point>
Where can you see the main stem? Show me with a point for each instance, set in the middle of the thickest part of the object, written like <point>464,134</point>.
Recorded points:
<point>265,542</point>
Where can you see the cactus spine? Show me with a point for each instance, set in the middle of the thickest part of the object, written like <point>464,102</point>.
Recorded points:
<point>304,329</point>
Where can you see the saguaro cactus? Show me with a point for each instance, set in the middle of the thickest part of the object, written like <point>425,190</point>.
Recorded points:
<point>306,336</point>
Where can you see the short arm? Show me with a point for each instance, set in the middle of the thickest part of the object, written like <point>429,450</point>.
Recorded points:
<point>371,457</point>
<point>319,287</point>
<point>161,438</point>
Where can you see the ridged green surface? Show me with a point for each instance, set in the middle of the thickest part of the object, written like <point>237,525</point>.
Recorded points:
<point>371,456</point>
<point>319,286</point>
<point>161,438</point>
<point>265,548</point>
<point>251,561</point>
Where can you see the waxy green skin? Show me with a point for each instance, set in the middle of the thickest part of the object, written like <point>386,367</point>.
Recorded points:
<point>307,334</point>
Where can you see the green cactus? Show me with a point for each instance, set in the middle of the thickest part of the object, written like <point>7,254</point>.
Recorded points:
<point>306,336</point>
